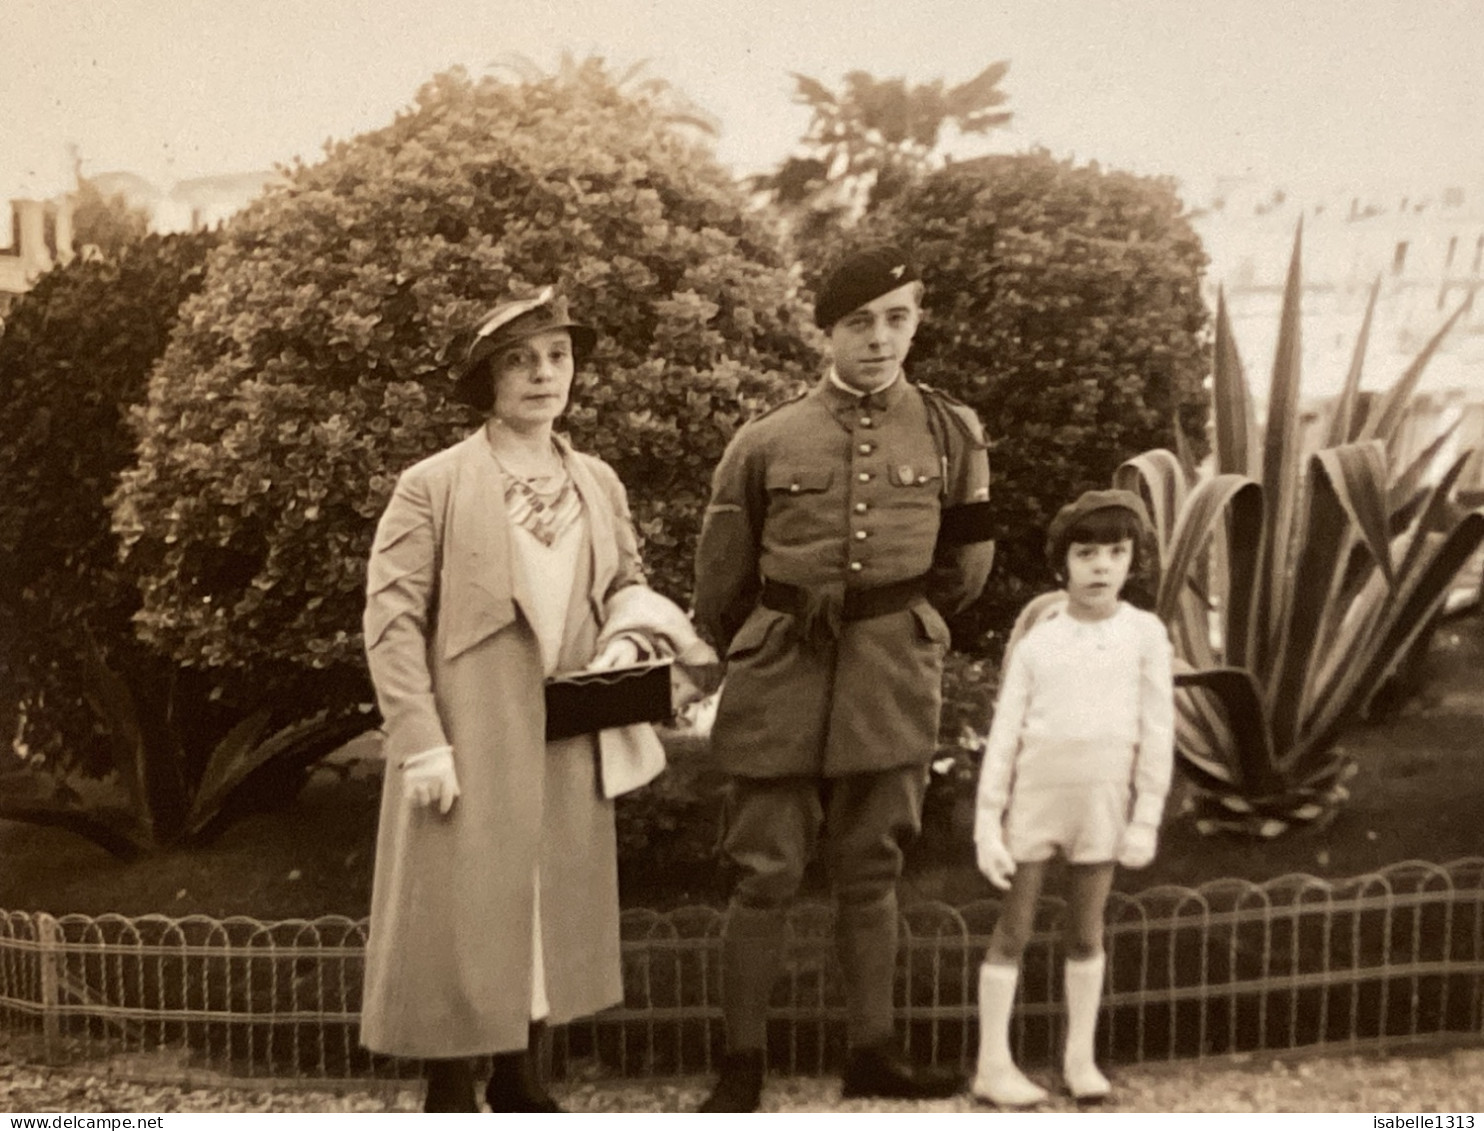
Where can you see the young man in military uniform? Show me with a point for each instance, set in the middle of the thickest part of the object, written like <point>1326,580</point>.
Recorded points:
<point>842,526</point>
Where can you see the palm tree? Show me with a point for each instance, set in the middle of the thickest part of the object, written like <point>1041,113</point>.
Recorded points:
<point>676,108</point>
<point>873,137</point>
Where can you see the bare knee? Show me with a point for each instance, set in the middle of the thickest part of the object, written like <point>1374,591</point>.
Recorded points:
<point>1017,921</point>
<point>1083,937</point>
<point>1008,942</point>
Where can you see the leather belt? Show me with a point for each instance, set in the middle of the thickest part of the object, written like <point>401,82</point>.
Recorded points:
<point>859,604</point>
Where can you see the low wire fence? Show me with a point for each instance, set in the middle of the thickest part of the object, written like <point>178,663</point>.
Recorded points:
<point>1385,959</point>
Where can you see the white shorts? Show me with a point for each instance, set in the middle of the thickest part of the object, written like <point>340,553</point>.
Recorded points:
<point>1084,823</point>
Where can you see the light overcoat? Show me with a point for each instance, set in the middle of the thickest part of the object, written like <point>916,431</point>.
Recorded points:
<point>455,661</point>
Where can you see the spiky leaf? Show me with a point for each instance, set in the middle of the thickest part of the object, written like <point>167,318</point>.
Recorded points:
<point>1231,404</point>
<point>1342,418</point>
<point>1384,423</point>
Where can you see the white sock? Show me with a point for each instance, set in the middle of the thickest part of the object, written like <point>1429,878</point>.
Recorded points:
<point>1084,992</point>
<point>998,1080</point>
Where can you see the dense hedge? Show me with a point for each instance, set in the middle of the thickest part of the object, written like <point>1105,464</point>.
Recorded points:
<point>1064,304</point>
<point>311,368</point>
<point>75,354</point>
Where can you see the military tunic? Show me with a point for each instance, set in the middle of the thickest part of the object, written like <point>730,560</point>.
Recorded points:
<point>836,498</point>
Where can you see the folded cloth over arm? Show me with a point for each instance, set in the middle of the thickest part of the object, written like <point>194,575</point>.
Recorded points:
<point>641,625</point>
<point>659,628</point>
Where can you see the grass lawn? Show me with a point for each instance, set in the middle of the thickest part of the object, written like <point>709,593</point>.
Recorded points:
<point>1418,795</point>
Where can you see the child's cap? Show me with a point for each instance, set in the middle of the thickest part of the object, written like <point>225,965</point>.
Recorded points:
<point>1087,502</point>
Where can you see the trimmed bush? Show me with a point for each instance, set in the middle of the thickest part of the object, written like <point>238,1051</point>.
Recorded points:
<point>1063,303</point>
<point>75,355</point>
<point>311,368</point>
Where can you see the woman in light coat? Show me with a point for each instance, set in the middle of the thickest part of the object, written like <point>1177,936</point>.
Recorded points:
<point>498,562</point>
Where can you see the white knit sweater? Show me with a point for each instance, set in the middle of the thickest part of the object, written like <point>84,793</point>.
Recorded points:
<point>1083,702</point>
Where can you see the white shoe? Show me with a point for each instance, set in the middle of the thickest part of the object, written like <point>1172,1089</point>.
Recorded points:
<point>1085,1082</point>
<point>1004,1085</point>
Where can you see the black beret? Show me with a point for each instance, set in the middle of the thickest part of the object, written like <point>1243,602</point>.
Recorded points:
<point>860,277</point>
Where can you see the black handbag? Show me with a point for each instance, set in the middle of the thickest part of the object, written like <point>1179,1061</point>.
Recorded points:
<point>586,702</point>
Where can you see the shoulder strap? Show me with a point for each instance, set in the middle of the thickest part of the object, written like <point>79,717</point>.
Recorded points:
<point>795,399</point>
<point>949,410</point>
<point>946,416</point>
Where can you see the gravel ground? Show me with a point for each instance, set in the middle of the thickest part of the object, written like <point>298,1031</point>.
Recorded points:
<point>1446,1082</point>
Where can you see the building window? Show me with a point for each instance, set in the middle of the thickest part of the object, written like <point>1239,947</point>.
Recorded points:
<point>1399,259</point>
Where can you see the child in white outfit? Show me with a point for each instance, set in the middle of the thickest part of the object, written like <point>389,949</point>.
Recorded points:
<point>1077,764</point>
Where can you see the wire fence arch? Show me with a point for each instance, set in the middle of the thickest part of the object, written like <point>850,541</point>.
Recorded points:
<point>1386,959</point>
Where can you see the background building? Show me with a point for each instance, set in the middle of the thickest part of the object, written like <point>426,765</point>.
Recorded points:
<point>38,236</point>
<point>40,233</point>
<point>1426,249</point>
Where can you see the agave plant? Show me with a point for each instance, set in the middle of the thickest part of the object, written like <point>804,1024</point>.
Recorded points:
<point>1295,581</point>
<point>169,788</point>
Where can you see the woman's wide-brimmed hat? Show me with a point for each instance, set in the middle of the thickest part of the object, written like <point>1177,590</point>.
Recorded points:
<point>505,325</point>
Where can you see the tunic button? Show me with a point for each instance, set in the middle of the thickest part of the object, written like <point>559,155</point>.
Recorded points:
<point>793,488</point>
<point>856,567</point>
<point>864,477</point>
<point>860,508</point>
<point>865,422</point>
<point>867,449</point>
<point>861,535</point>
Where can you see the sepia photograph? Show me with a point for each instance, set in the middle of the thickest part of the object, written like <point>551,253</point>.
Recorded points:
<point>638,556</point>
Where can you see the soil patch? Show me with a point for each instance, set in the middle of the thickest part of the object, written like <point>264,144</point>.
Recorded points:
<point>311,858</point>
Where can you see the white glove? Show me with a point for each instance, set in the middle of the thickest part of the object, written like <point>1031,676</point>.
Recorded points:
<point>1138,844</point>
<point>428,779</point>
<point>995,860</point>
<point>619,652</point>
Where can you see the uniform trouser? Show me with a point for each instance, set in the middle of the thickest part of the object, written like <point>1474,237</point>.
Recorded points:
<point>772,827</point>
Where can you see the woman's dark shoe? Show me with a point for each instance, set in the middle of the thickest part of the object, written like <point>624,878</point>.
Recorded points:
<point>450,1086</point>
<point>880,1071</point>
<point>740,1087</point>
<point>515,1082</point>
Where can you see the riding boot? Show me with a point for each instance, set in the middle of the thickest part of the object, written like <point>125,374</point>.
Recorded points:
<point>751,955</point>
<point>866,940</point>
<point>866,944</point>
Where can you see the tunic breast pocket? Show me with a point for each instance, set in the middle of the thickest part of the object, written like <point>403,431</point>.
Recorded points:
<point>915,491</point>
<point>798,510</point>
<point>791,481</point>
<point>917,475</point>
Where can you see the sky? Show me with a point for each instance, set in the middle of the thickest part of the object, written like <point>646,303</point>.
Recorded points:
<point>1321,94</point>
